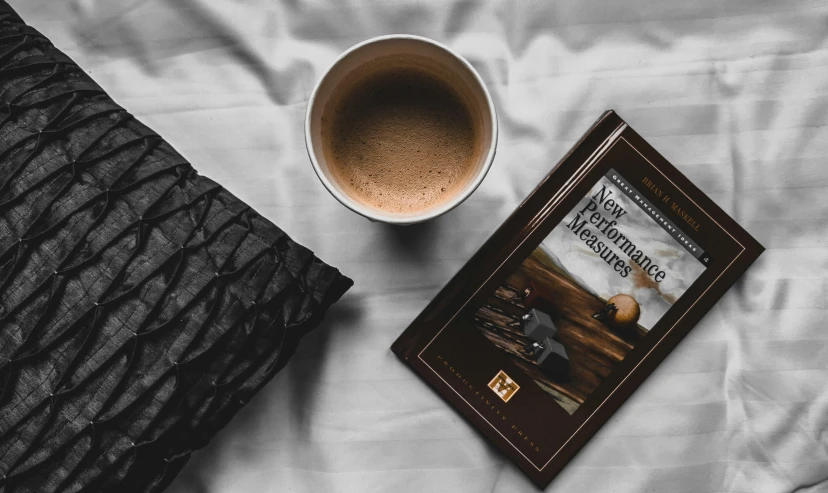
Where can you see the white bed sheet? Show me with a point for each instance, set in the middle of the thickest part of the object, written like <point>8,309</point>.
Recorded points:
<point>734,93</point>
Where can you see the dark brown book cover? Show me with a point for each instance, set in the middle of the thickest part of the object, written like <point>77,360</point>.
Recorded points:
<point>576,298</point>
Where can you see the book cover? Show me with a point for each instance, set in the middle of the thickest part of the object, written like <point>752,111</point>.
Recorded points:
<point>576,298</point>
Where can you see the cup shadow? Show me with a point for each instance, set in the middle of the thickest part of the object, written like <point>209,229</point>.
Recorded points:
<point>413,242</point>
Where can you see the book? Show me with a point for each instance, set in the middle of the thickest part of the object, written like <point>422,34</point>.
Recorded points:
<point>576,298</point>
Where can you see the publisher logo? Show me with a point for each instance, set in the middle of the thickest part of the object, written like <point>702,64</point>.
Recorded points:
<point>504,386</point>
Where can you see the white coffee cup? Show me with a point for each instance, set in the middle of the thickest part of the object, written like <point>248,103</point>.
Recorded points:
<point>400,45</point>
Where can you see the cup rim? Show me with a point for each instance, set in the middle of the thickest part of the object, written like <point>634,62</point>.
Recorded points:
<point>366,211</point>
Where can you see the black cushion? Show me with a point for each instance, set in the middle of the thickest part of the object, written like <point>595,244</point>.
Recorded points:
<point>141,305</point>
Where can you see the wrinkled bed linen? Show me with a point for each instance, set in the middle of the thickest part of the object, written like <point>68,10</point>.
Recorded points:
<point>734,93</point>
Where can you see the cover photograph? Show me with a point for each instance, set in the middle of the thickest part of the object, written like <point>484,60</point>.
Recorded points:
<point>595,285</point>
<point>576,298</point>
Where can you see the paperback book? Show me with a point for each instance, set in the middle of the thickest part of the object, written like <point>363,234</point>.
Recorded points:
<point>576,298</point>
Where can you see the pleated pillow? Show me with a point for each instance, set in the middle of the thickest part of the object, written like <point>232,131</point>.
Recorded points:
<point>141,305</point>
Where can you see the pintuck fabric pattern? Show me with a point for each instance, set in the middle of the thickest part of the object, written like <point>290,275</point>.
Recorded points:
<point>141,305</point>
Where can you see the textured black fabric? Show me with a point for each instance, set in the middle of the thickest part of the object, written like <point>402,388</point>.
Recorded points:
<point>141,305</point>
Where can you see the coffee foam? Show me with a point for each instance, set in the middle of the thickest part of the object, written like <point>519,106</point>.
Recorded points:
<point>401,135</point>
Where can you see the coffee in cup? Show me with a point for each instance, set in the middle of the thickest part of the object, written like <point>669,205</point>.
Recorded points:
<point>401,129</point>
